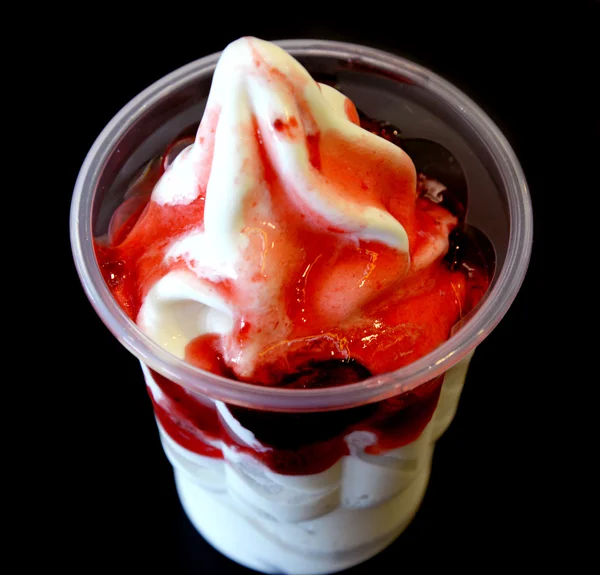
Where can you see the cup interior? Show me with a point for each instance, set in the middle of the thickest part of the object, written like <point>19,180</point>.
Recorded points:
<point>385,87</point>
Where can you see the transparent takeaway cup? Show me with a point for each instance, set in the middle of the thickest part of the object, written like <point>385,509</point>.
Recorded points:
<point>309,481</point>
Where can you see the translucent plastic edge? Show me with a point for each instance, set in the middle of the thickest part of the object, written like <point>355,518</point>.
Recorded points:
<point>483,321</point>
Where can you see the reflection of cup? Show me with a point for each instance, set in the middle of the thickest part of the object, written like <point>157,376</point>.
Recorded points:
<point>309,481</point>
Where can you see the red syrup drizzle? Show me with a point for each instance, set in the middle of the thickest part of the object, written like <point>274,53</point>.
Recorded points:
<point>296,443</point>
<point>303,443</point>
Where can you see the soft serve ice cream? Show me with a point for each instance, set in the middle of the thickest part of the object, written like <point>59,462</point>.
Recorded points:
<point>288,246</point>
<point>287,234</point>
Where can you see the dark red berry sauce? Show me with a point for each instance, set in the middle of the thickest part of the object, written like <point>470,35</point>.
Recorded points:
<point>303,443</point>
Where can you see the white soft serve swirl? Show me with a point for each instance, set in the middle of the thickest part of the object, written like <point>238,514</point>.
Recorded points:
<point>184,304</point>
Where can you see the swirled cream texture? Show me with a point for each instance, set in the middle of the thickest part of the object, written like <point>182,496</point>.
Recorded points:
<point>302,524</point>
<point>287,234</point>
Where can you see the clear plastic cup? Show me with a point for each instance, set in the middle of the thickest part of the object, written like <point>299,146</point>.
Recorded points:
<point>330,498</point>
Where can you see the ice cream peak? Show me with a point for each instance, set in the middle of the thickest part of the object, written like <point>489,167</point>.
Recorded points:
<point>286,235</point>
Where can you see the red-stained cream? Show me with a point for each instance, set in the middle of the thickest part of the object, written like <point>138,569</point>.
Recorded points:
<point>285,235</point>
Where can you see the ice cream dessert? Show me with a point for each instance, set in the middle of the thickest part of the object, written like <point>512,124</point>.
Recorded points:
<point>285,245</point>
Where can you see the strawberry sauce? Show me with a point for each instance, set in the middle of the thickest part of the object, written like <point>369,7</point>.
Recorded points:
<point>294,444</point>
<point>402,321</point>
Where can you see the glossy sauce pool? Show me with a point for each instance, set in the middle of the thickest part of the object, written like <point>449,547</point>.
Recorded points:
<point>307,443</point>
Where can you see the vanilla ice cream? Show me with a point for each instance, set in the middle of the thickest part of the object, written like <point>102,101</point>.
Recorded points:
<point>287,246</point>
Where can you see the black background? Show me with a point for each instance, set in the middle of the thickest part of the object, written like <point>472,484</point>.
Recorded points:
<point>497,493</point>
